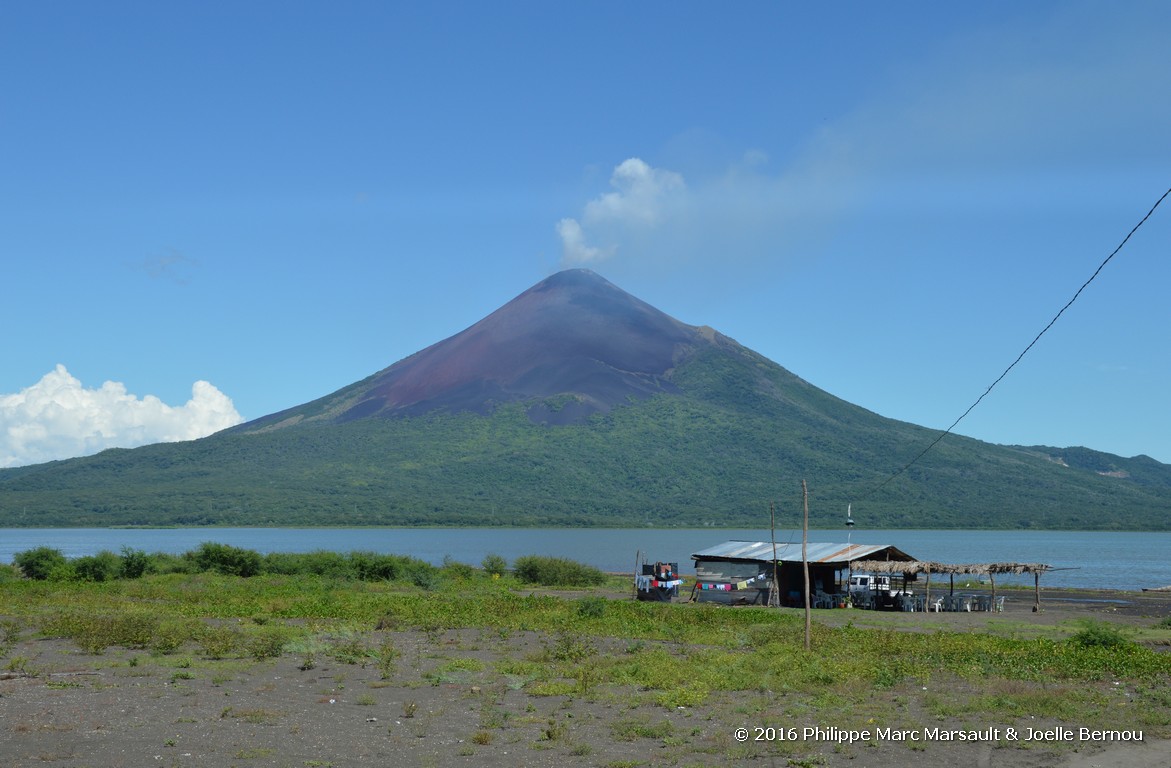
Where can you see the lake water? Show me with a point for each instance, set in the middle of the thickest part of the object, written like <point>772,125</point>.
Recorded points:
<point>1087,559</point>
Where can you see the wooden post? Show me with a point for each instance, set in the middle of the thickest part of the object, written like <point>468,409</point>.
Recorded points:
<point>805,562</point>
<point>992,580</point>
<point>774,596</point>
<point>927,599</point>
<point>1036,591</point>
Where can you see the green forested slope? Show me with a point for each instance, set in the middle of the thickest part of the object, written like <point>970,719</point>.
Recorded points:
<point>743,431</point>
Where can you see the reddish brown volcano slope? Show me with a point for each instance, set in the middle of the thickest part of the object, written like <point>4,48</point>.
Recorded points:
<point>573,333</point>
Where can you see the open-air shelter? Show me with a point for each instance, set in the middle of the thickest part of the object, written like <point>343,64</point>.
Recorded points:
<point>928,568</point>
<point>739,572</point>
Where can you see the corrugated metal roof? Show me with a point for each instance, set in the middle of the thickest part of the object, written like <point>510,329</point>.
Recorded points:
<point>817,552</point>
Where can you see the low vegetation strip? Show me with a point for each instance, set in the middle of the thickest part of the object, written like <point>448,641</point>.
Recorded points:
<point>222,582</point>
<point>217,604</point>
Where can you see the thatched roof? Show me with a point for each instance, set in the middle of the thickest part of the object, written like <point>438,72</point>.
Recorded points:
<point>923,566</point>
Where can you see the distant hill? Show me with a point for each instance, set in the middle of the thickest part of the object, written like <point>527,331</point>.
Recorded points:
<point>577,404</point>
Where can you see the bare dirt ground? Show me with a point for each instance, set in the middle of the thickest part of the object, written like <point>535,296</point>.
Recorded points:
<point>447,704</point>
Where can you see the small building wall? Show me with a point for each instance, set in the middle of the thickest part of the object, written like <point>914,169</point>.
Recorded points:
<point>732,572</point>
<point>822,578</point>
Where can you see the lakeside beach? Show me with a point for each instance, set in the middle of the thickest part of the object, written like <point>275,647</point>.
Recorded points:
<point>474,695</point>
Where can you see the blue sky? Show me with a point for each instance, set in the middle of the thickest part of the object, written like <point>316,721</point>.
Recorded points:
<point>213,211</point>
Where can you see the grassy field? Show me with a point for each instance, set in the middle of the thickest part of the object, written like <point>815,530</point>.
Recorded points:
<point>680,676</point>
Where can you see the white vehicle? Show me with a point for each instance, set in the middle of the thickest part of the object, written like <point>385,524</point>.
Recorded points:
<point>877,590</point>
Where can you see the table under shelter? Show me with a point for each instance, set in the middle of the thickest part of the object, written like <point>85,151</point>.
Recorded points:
<point>913,568</point>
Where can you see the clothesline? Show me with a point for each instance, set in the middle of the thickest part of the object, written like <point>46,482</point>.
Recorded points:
<point>649,582</point>
<point>732,586</point>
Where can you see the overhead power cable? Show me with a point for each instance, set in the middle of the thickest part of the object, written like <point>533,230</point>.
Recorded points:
<point>1037,338</point>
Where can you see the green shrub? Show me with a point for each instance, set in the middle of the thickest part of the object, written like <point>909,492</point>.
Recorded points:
<point>9,636</point>
<point>387,658</point>
<point>494,564</point>
<point>104,566</point>
<point>165,562</point>
<point>221,641</point>
<point>425,578</point>
<point>135,563</point>
<point>457,570</point>
<point>171,634</point>
<point>266,643</point>
<point>93,632</point>
<point>1097,634</point>
<point>370,566</point>
<point>39,563</point>
<point>226,559</point>
<point>349,649</point>
<point>570,646</point>
<point>592,607</point>
<point>556,572</point>
<point>321,563</point>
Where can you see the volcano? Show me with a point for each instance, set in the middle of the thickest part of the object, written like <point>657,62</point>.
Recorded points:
<point>574,336</point>
<point>576,404</point>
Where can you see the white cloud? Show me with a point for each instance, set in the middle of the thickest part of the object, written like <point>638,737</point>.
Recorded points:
<point>656,219</point>
<point>998,124</point>
<point>573,244</point>
<point>643,198</point>
<point>58,418</point>
<point>642,194</point>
